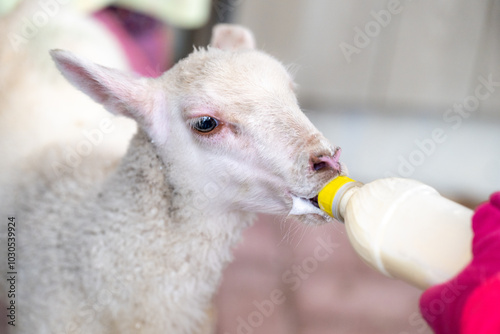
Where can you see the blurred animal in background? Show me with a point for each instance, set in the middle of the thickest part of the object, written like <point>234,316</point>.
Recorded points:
<point>38,108</point>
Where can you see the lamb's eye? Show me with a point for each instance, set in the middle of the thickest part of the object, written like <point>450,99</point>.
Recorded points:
<point>205,124</point>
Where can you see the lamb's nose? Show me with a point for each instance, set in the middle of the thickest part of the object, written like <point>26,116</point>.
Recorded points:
<point>323,162</point>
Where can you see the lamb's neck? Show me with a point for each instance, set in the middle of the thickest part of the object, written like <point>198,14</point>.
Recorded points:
<point>146,207</point>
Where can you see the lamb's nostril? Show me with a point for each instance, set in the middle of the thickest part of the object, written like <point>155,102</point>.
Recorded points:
<point>319,165</point>
<point>321,162</point>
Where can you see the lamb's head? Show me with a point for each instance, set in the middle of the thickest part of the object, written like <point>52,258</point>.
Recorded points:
<point>226,123</point>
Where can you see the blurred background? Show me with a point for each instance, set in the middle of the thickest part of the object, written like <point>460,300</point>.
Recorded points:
<point>406,88</point>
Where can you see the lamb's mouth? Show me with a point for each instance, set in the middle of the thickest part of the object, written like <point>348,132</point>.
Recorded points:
<point>314,201</point>
<point>304,206</point>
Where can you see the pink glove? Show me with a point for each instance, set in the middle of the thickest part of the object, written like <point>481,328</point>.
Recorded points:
<point>470,302</point>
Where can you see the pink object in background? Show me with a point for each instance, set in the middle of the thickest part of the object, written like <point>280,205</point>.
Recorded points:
<point>470,302</point>
<point>144,40</point>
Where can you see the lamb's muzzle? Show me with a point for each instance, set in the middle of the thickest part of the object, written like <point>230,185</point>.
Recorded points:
<point>319,163</point>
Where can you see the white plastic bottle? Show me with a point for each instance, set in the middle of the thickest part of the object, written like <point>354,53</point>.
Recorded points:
<point>402,228</point>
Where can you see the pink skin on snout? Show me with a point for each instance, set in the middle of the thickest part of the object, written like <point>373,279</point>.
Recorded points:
<point>327,161</point>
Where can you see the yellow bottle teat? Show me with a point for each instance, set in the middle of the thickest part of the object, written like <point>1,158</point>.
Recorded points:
<point>330,195</point>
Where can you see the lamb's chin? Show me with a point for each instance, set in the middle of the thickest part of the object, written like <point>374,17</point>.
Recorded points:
<point>313,219</point>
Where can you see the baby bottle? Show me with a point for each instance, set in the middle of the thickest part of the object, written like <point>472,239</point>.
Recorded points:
<point>402,228</point>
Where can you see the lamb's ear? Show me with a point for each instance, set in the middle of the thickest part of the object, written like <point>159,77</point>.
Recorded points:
<point>120,93</point>
<point>232,37</point>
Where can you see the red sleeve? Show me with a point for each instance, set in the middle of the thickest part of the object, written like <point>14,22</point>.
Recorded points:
<point>455,306</point>
<point>481,312</point>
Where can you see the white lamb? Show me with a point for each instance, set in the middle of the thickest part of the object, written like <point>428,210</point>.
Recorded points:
<point>139,246</point>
